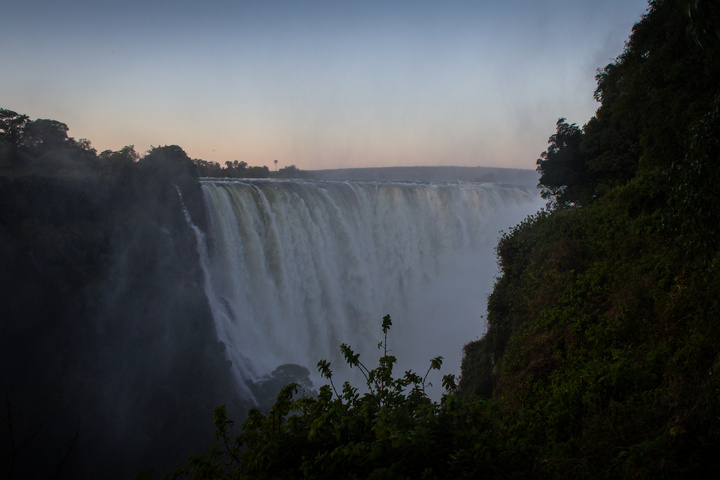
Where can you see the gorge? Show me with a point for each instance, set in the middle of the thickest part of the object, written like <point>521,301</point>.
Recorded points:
<point>138,297</point>
<point>292,269</point>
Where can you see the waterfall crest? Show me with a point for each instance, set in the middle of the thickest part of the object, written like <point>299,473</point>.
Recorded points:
<point>295,268</point>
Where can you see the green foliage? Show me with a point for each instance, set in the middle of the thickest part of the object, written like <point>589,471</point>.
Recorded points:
<point>562,168</point>
<point>598,346</point>
<point>651,96</point>
<point>694,200</point>
<point>392,430</point>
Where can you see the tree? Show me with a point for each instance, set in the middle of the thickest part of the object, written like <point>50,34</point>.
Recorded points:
<point>291,171</point>
<point>562,167</point>
<point>11,127</point>
<point>235,168</point>
<point>45,133</point>
<point>127,154</point>
<point>86,146</point>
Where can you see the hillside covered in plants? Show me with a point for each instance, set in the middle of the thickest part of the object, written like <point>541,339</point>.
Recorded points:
<point>602,356</point>
<point>603,346</point>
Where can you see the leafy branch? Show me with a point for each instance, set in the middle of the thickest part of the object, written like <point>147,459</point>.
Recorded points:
<point>392,430</point>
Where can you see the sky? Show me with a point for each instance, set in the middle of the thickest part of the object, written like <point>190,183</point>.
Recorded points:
<point>315,84</point>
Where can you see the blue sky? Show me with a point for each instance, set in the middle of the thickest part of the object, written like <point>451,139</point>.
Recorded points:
<point>317,84</point>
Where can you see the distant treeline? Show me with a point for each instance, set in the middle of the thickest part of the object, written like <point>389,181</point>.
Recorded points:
<point>238,169</point>
<point>23,141</point>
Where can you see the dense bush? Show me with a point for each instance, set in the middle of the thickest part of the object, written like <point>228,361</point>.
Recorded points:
<point>390,430</point>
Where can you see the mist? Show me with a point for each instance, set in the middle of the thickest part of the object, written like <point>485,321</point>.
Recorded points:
<point>449,310</point>
<point>295,268</point>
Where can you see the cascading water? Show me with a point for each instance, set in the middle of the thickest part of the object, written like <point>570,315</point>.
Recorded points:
<point>295,268</point>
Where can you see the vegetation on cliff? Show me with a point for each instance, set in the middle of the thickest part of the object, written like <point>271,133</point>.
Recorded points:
<point>602,349</point>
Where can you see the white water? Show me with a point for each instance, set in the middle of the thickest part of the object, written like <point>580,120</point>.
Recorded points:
<point>295,268</point>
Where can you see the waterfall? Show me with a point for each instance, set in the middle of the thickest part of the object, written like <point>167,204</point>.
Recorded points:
<point>295,268</point>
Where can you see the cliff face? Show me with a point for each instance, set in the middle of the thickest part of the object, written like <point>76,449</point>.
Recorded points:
<point>107,347</point>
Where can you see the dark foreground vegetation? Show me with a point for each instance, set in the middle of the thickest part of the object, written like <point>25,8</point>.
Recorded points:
<point>602,357</point>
